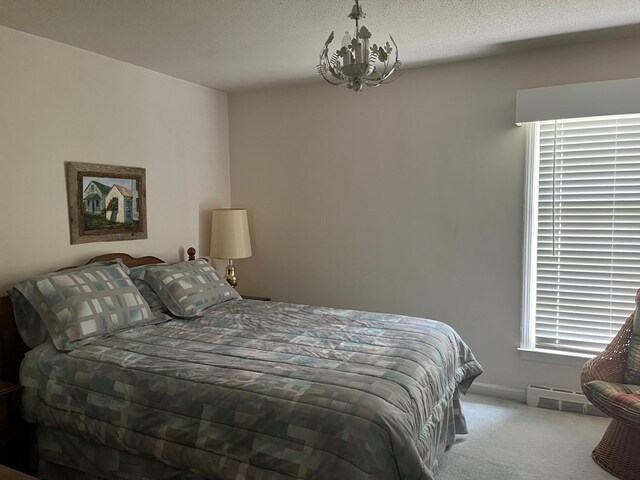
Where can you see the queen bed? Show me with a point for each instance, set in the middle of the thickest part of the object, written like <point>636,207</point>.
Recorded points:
<point>244,389</point>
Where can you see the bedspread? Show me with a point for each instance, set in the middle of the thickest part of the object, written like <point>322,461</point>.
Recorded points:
<point>262,390</point>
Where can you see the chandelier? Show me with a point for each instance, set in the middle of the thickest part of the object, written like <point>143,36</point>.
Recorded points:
<point>356,64</point>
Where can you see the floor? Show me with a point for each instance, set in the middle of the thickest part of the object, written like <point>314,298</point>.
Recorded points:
<point>511,441</point>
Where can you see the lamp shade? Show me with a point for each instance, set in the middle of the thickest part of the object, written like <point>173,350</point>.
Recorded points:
<point>230,234</point>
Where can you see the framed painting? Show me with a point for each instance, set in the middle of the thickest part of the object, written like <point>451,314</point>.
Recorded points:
<point>106,202</point>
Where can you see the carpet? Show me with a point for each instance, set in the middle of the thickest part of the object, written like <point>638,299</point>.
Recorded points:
<point>511,441</point>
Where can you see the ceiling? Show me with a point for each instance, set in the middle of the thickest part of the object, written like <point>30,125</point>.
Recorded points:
<point>237,44</point>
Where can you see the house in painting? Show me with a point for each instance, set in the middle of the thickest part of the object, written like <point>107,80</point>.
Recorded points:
<point>122,204</point>
<point>93,197</point>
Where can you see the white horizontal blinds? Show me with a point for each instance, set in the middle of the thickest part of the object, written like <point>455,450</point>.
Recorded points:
<point>588,242</point>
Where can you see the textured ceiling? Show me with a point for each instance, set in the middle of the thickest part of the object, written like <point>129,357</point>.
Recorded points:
<point>237,44</point>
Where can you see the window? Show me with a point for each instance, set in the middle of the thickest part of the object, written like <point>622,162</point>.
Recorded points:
<point>582,232</point>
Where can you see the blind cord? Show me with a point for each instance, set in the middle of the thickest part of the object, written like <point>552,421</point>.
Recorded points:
<point>553,190</point>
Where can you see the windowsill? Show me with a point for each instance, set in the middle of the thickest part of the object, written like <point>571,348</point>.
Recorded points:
<point>551,356</point>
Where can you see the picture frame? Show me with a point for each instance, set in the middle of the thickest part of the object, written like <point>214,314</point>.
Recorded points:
<point>106,202</point>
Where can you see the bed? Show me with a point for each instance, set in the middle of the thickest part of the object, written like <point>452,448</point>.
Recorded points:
<point>247,389</point>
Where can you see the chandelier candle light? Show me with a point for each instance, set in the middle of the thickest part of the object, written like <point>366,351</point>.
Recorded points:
<point>357,64</point>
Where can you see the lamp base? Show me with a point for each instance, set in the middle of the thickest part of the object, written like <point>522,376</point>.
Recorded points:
<point>230,275</point>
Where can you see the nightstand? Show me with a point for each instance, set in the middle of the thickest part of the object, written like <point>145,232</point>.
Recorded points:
<point>12,429</point>
<point>262,299</point>
<point>7,473</point>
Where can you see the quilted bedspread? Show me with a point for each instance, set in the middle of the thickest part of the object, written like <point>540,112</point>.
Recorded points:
<point>262,390</point>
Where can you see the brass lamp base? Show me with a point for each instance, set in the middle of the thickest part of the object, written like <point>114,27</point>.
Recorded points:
<point>230,274</point>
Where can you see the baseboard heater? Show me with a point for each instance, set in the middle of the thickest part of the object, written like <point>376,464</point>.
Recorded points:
<point>560,399</point>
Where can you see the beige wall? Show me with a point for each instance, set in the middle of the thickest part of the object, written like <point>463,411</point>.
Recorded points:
<point>407,198</point>
<point>59,103</point>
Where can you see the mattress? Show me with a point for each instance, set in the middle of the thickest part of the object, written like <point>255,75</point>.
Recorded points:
<point>262,390</point>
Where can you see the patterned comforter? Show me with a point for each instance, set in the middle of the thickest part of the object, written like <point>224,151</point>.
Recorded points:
<point>263,390</point>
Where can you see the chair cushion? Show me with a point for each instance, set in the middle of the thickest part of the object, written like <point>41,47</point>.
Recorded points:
<point>618,400</point>
<point>632,371</point>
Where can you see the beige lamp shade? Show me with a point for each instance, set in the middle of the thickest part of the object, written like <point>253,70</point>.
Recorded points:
<point>230,234</point>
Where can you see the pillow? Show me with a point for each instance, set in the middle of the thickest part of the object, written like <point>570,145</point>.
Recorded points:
<point>189,288</point>
<point>78,306</point>
<point>617,400</point>
<point>28,322</point>
<point>155,302</point>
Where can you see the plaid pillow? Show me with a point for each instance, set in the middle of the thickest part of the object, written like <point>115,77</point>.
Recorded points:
<point>28,322</point>
<point>155,302</point>
<point>77,306</point>
<point>617,400</point>
<point>189,288</point>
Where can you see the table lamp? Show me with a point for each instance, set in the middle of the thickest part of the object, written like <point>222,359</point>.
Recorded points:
<point>230,238</point>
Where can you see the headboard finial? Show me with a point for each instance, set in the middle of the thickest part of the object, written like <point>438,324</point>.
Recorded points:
<point>192,253</point>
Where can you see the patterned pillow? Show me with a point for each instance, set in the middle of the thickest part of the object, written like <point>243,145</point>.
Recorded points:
<point>617,400</point>
<point>155,302</point>
<point>28,322</point>
<point>189,288</point>
<point>632,372</point>
<point>77,306</point>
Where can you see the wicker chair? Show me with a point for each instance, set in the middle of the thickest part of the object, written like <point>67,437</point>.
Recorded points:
<point>619,450</point>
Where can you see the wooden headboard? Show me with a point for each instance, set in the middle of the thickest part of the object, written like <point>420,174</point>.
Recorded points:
<point>12,348</point>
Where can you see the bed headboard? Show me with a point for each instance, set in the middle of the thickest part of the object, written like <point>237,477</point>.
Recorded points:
<point>12,348</point>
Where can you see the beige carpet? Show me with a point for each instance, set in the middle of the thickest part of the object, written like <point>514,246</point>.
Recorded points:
<point>511,441</point>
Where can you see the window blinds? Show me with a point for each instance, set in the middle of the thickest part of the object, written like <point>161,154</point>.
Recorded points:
<point>587,265</point>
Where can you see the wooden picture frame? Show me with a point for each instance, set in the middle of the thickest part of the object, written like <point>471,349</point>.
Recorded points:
<point>106,202</point>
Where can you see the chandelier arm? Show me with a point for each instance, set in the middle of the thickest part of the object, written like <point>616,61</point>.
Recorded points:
<point>395,68</point>
<point>396,47</point>
<point>325,64</point>
<point>339,80</point>
<point>388,78</point>
<point>371,82</point>
<point>334,73</point>
<point>396,64</point>
<point>328,80</point>
<point>385,77</point>
<point>386,62</point>
<point>386,66</point>
<point>380,76</point>
<point>342,82</point>
<point>386,72</point>
<point>374,79</point>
